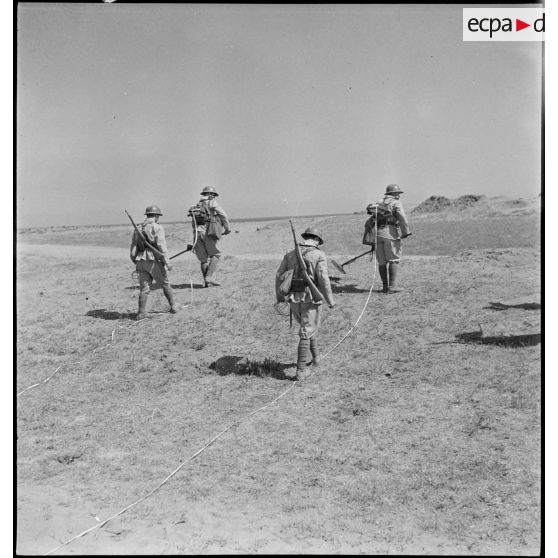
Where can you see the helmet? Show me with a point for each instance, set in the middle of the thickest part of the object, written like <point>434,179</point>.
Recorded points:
<point>314,232</point>
<point>209,190</point>
<point>153,210</point>
<point>393,189</point>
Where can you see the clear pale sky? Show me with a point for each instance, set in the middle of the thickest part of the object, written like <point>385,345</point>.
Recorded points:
<point>286,110</point>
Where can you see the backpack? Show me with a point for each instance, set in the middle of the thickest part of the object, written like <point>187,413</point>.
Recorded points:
<point>292,280</point>
<point>200,212</point>
<point>383,215</point>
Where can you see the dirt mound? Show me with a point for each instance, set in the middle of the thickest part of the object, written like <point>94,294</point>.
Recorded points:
<point>436,204</point>
<point>469,200</point>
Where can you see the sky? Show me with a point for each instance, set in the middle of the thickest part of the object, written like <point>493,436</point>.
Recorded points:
<point>285,110</point>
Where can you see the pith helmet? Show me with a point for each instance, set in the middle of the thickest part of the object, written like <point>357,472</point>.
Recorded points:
<point>209,190</point>
<point>153,210</point>
<point>393,189</point>
<point>314,232</point>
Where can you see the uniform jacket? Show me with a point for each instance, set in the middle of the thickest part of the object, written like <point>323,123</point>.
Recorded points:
<point>394,232</point>
<point>155,234</point>
<point>317,269</point>
<point>212,204</point>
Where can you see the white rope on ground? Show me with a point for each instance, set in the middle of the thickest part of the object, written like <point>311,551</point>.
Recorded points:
<point>41,382</point>
<point>358,319</point>
<point>112,335</point>
<point>93,351</point>
<point>210,442</point>
<point>202,449</point>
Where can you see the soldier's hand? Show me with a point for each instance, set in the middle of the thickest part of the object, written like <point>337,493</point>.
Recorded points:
<point>332,305</point>
<point>227,232</point>
<point>406,235</point>
<point>169,267</point>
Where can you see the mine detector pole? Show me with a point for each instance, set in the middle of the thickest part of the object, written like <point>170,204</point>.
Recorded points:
<point>183,252</point>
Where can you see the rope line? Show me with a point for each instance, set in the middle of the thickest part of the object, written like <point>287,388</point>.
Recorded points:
<point>212,440</point>
<point>108,344</point>
<point>202,449</point>
<point>357,321</point>
<point>134,273</point>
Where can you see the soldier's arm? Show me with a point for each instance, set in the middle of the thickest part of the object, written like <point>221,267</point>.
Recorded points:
<point>223,216</point>
<point>161,243</point>
<point>322,278</point>
<point>402,220</point>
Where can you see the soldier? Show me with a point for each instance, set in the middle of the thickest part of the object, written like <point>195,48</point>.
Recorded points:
<point>306,312</point>
<point>149,265</point>
<point>392,226</point>
<point>210,223</point>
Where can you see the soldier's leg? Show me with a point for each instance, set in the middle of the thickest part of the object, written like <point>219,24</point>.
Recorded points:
<point>382,264</point>
<point>303,344</point>
<point>314,350</point>
<point>315,315</point>
<point>310,317</point>
<point>201,253</point>
<point>161,276</point>
<point>212,247</point>
<point>145,280</point>
<point>303,354</point>
<point>395,258</point>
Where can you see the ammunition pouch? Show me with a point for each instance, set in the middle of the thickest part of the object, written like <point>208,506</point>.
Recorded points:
<point>298,285</point>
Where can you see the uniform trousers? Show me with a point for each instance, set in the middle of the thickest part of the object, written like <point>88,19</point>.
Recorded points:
<point>308,315</point>
<point>149,271</point>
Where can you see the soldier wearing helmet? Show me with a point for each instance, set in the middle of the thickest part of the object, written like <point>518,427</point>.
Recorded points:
<point>307,313</point>
<point>150,265</point>
<point>209,222</point>
<point>390,225</point>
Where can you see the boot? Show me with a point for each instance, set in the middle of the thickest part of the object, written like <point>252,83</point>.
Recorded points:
<point>169,295</point>
<point>142,303</point>
<point>393,268</point>
<point>303,354</point>
<point>384,277</point>
<point>209,279</point>
<point>204,267</point>
<point>315,351</point>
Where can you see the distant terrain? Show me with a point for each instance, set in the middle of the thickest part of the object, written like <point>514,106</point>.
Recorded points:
<point>419,434</point>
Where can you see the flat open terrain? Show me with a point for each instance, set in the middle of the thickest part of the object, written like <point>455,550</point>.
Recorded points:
<point>420,433</point>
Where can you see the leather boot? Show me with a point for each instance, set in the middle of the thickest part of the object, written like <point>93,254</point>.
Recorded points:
<point>204,267</point>
<point>384,277</point>
<point>210,277</point>
<point>303,354</point>
<point>169,294</point>
<point>393,268</point>
<point>142,303</point>
<point>315,351</point>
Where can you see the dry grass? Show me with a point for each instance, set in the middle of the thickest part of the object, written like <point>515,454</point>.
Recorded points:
<point>410,438</point>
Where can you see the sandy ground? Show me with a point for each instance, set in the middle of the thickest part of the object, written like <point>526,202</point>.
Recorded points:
<point>419,435</point>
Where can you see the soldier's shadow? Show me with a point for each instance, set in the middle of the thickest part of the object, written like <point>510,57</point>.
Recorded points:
<point>336,289</point>
<point>241,366</point>
<point>111,315</point>
<point>522,306</point>
<point>154,287</point>
<point>514,341</point>
<point>187,286</point>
